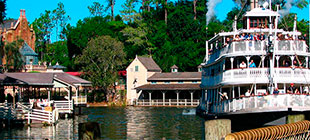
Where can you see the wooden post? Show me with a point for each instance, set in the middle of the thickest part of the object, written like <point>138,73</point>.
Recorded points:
<point>192,98</point>
<point>177,97</point>
<point>217,129</point>
<point>294,118</point>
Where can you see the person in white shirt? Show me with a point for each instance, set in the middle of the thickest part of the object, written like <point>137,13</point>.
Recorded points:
<point>242,65</point>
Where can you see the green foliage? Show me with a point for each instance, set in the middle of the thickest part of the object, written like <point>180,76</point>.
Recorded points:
<point>101,61</point>
<point>43,28</point>
<point>14,60</point>
<point>58,52</point>
<point>60,19</point>
<point>88,29</point>
<point>96,9</point>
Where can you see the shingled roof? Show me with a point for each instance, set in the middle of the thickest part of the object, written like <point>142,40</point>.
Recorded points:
<point>70,79</point>
<point>26,50</point>
<point>45,79</point>
<point>7,24</point>
<point>149,63</point>
<point>169,87</point>
<point>170,76</point>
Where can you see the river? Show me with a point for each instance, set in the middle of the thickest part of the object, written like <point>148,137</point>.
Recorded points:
<point>120,123</point>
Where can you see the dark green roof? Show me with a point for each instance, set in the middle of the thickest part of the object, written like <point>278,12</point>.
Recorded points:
<point>26,50</point>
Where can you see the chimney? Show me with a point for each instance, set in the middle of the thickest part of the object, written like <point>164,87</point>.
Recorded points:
<point>254,4</point>
<point>174,68</point>
<point>21,12</point>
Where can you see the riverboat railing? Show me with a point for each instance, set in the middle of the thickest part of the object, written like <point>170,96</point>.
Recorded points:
<point>259,48</point>
<point>274,102</point>
<point>167,102</point>
<point>259,75</point>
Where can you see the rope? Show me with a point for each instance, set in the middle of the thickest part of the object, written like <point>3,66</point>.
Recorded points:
<point>296,131</point>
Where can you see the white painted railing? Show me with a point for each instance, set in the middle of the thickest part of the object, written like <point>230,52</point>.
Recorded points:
<point>49,117</point>
<point>259,48</point>
<point>259,75</point>
<point>64,106</point>
<point>264,103</point>
<point>167,102</point>
<point>79,100</point>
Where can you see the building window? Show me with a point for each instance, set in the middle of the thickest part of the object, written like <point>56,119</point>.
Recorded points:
<point>167,82</point>
<point>136,68</point>
<point>194,81</point>
<point>180,82</point>
<point>153,82</point>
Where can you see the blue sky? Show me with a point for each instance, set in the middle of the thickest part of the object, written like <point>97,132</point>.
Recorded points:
<point>77,9</point>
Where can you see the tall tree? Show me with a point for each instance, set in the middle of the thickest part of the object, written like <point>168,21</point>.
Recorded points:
<point>111,4</point>
<point>195,11</point>
<point>60,19</point>
<point>101,61</point>
<point>96,9</point>
<point>43,28</point>
<point>128,13</point>
<point>14,60</point>
<point>2,10</point>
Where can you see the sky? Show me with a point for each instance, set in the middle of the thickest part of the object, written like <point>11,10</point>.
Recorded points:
<point>77,9</point>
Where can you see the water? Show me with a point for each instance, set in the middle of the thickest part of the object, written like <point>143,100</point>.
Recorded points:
<point>120,123</point>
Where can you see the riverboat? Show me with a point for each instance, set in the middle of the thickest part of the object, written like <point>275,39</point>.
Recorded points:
<point>258,74</point>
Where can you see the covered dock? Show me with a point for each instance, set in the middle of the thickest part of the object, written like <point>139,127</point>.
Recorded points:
<point>40,96</point>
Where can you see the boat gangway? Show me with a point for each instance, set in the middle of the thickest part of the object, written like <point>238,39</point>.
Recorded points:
<point>167,102</point>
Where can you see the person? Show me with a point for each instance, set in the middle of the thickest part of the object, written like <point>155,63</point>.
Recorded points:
<point>295,64</point>
<point>227,43</point>
<point>256,37</point>
<point>285,63</point>
<point>292,89</point>
<point>223,96</point>
<point>247,93</point>
<point>262,36</point>
<point>237,38</point>
<point>252,64</point>
<point>242,65</point>
<point>276,91</point>
<point>243,36</point>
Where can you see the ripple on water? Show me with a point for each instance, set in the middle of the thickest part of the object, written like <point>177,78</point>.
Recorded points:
<point>120,123</point>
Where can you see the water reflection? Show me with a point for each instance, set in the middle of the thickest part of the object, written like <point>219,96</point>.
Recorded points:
<point>120,123</point>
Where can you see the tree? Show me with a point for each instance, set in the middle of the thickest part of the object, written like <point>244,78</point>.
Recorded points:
<point>60,19</point>
<point>90,28</point>
<point>96,9</point>
<point>2,10</point>
<point>101,61</point>
<point>137,34</point>
<point>111,4</point>
<point>58,52</point>
<point>14,60</point>
<point>43,28</point>
<point>128,13</point>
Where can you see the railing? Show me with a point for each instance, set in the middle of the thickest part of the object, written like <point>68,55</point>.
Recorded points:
<point>263,103</point>
<point>80,100</point>
<point>259,75</point>
<point>64,106</point>
<point>259,48</point>
<point>49,117</point>
<point>8,112</point>
<point>167,102</point>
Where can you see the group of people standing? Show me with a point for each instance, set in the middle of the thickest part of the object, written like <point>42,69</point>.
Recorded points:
<point>249,37</point>
<point>251,64</point>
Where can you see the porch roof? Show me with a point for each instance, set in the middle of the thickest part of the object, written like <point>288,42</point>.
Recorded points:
<point>169,87</point>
